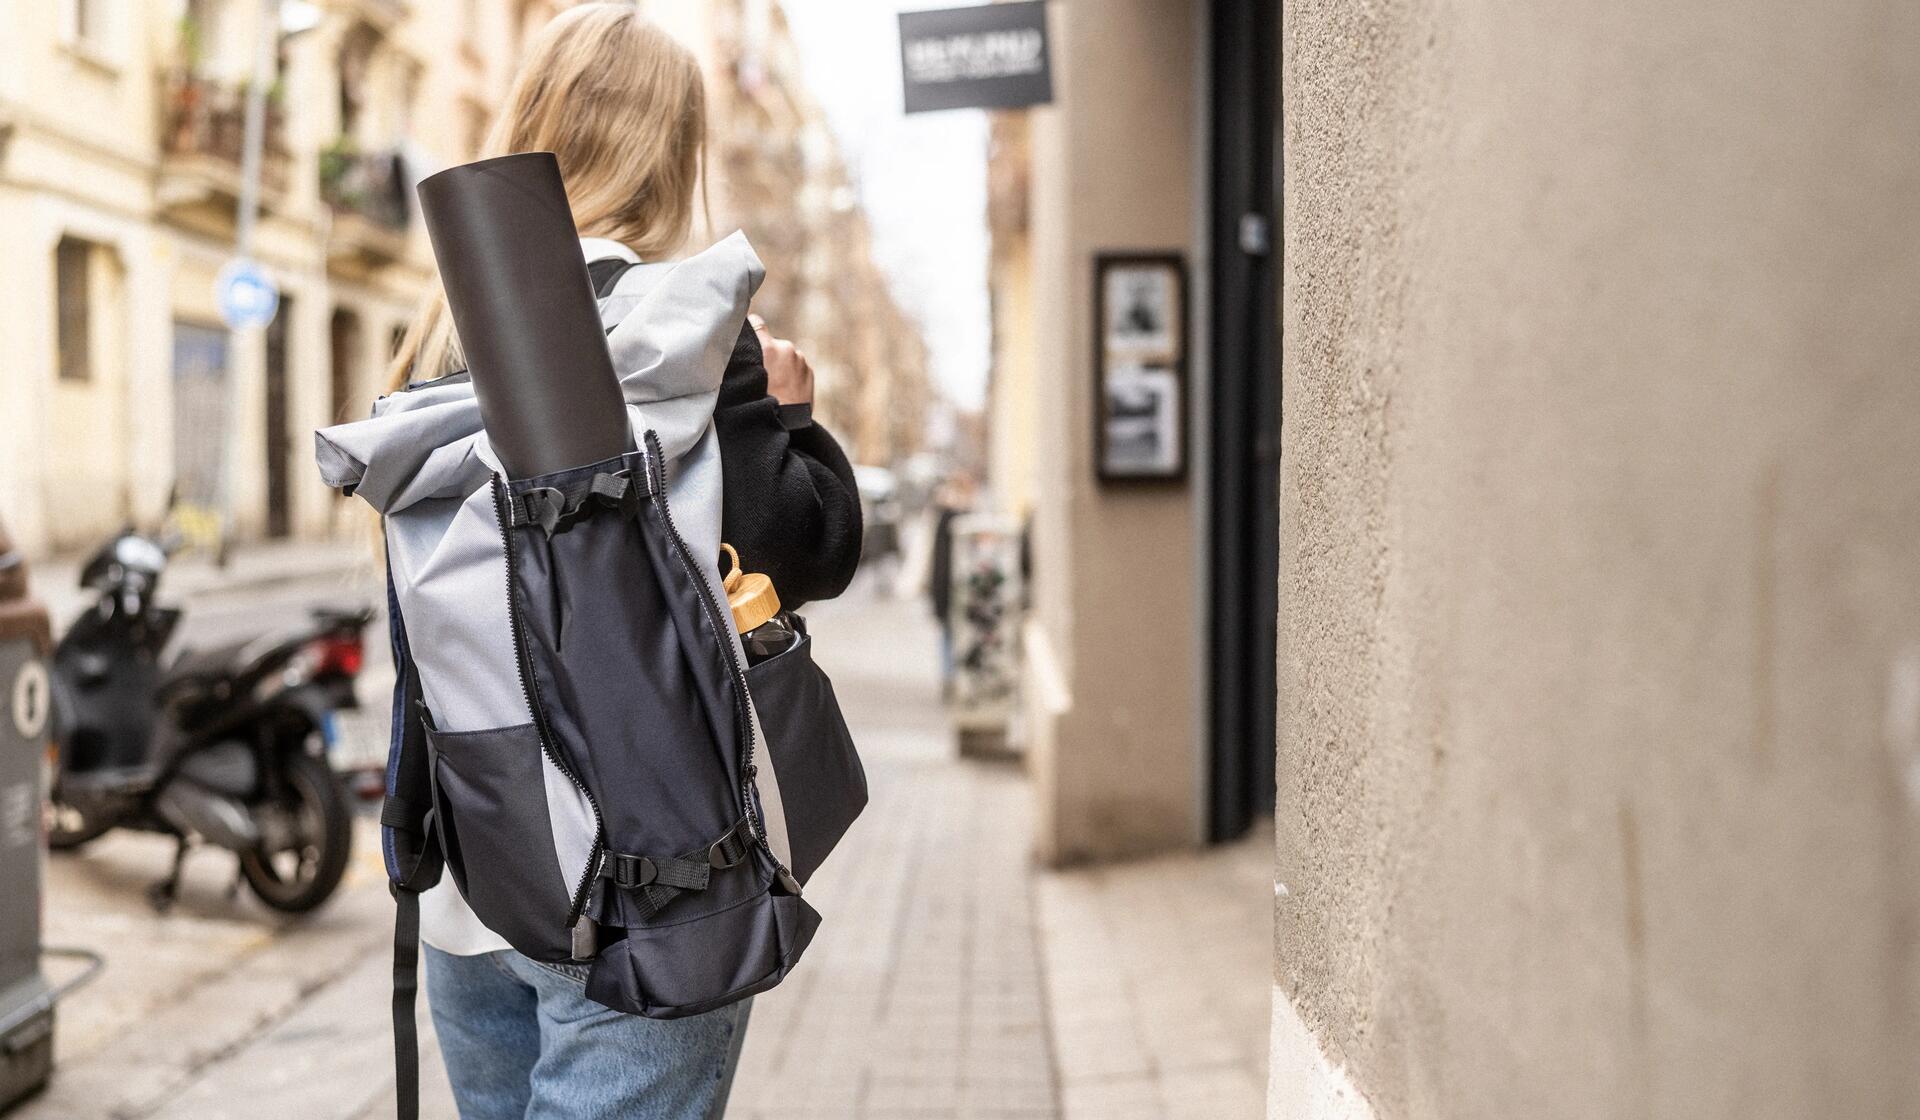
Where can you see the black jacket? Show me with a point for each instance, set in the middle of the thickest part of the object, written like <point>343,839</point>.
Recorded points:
<point>790,506</point>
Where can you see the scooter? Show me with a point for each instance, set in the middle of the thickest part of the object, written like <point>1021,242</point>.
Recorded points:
<point>223,746</point>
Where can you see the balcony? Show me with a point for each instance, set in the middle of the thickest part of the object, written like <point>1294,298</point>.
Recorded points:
<point>367,193</point>
<point>203,132</point>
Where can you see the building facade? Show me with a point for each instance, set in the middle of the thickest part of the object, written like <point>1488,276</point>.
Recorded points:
<point>120,151</point>
<point>1600,746</point>
<point>120,148</point>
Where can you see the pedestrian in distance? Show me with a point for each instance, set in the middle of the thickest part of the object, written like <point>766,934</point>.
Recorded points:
<point>621,105</point>
<point>954,500</point>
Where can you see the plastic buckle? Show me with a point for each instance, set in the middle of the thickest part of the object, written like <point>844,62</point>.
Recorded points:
<point>633,871</point>
<point>720,857</point>
<point>616,490</point>
<point>543,506</point>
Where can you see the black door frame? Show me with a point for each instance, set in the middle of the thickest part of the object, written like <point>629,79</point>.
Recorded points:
<point>1243,471</point>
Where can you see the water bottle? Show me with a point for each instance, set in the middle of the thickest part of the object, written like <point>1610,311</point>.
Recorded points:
<point>766,631</point>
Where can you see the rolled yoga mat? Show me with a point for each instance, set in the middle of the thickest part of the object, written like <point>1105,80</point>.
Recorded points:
<point>518,291</point>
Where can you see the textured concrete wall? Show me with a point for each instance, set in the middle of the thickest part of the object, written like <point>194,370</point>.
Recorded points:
<point>1112,645</point>
<point>1600,762</point>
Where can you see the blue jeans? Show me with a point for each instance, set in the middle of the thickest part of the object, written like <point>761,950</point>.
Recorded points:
<point>523,1042</point>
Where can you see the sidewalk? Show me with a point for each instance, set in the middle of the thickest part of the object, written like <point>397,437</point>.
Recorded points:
<point>949,979</point>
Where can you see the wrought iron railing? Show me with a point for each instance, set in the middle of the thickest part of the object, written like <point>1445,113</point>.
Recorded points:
<point>205,118</point>
<point>370,184</point>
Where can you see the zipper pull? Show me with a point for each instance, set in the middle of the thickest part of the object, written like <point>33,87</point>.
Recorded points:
<point>586,939</point>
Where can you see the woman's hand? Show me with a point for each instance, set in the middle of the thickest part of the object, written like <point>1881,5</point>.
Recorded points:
<point>789,377</point>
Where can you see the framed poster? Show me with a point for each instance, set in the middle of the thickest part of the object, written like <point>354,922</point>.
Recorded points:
<point>1140,367</point>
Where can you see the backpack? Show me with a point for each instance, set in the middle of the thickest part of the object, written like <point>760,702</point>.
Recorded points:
<point>577,737</point>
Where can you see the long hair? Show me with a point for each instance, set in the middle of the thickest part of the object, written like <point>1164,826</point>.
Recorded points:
<point>621,105</point>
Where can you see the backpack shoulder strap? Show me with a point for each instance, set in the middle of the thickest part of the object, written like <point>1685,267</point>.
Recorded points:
<point>412,849</point>
<point>606,273</point>
<point>406,984</point>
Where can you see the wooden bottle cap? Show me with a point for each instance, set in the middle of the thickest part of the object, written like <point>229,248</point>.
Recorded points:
<point>750,595</point>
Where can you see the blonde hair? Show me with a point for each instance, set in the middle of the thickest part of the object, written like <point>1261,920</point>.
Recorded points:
<point>621,105</point>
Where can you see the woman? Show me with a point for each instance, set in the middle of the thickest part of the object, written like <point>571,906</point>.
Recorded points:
<point>621,106</point>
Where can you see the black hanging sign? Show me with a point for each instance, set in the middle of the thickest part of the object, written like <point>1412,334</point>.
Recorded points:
<point>991,56</point>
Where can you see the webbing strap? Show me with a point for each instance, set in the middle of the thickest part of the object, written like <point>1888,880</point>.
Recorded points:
<point>406,984</point>
<point>548,506</point>
<point>613,488</point>
<point>658,880</point>
<point>398,812</point>
<point>606,273</point>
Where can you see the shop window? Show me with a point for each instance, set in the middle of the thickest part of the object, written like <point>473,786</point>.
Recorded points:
<point>73,283</point>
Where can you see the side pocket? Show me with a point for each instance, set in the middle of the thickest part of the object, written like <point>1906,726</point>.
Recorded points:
<point>412,860</point>
<point>822,784</point>
<point>490,802</point>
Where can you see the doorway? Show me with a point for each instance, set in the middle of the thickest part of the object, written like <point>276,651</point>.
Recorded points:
<point>199,415</point>
<point>1243,471</point>
<point>279,431</point>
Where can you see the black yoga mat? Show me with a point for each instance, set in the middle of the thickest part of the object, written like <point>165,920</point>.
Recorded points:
<point>517,288</point>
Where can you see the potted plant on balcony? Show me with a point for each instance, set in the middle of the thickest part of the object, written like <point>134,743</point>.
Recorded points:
<point>337,163</point>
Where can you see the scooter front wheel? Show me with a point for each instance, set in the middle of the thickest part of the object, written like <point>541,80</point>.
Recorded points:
<point>303,870</point>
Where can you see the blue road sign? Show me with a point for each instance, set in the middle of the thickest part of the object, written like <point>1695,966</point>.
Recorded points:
<point>245,294</point>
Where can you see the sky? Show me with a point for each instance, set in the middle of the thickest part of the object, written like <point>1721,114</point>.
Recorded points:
<point>922,179</point>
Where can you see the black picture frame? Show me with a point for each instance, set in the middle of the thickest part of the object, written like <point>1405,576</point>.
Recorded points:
<point>1141,385</point>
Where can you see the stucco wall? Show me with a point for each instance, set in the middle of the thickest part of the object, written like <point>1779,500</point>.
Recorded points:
<point>1600,674</point>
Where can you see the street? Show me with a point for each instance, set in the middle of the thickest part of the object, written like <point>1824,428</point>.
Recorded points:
<point>949,979</point>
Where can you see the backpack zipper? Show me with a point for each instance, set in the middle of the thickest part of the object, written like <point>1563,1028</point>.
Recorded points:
<point>742,715</point>
<point>530,689</point>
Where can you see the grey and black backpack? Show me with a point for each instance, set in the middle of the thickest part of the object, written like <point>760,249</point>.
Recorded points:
<point>576,734</point>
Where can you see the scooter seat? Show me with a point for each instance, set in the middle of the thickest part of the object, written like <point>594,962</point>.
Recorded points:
<point>202,665</point>
<point>336,616</point>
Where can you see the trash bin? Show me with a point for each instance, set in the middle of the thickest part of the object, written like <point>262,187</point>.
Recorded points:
<point>26,701</point>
